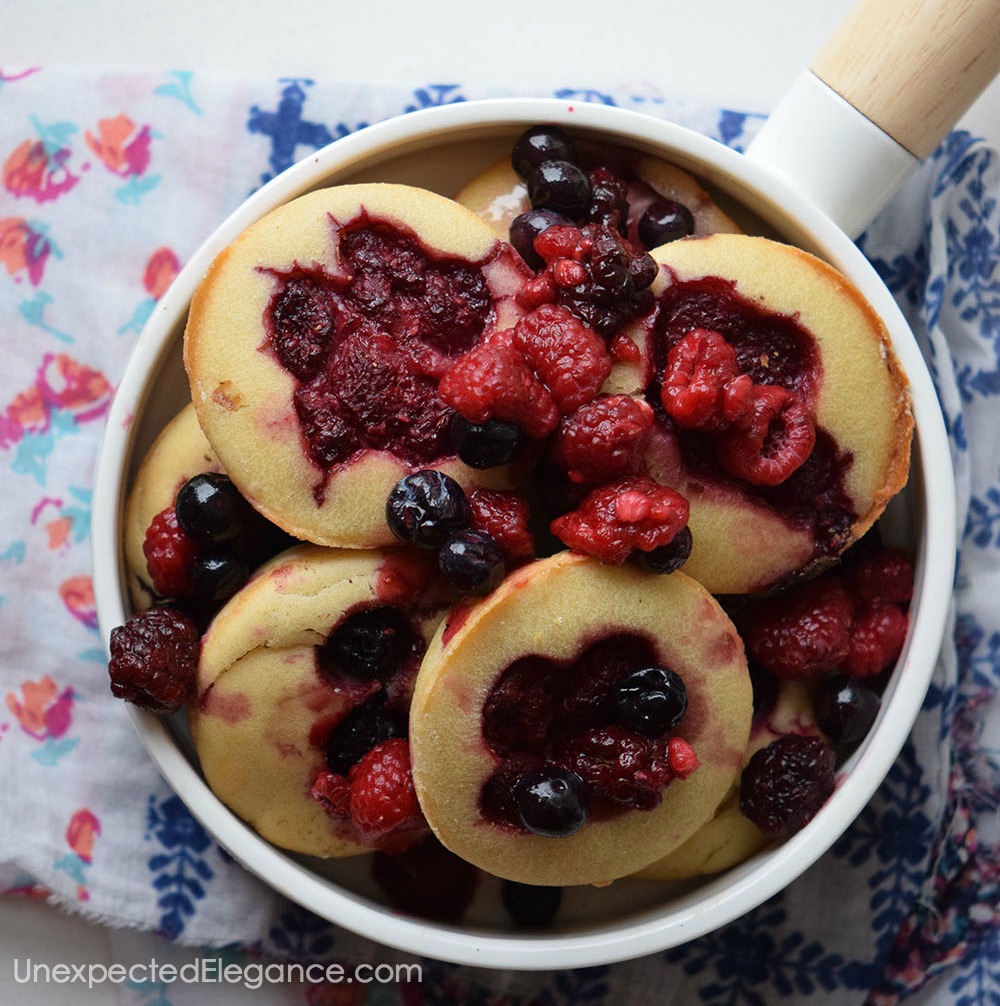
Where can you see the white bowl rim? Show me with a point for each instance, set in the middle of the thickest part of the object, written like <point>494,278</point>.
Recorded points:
<point>720,900</point>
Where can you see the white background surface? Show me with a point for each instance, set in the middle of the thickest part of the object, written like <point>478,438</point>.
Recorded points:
<point>739,53</point>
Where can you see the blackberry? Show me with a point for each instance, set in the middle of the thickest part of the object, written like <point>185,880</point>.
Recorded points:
<point>154,660</point>
<point>785,784</point>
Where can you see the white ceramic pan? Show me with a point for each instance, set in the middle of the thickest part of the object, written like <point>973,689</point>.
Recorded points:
<point>815,176</point>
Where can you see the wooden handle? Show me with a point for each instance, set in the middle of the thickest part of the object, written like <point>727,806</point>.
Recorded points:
<point>913,66</point>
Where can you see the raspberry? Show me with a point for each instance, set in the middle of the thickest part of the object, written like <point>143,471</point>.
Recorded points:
<point>301,324</point>
<point>494,381</point>
<point>616,519</point>
<point>601,440</point>
<point>786,783</point>
<point>876,640</point>
<point>699,369</point>
<point>154,660</point>
<point>884,577</point>
<point>593,273</point>
<point>683,759</point>
<point>568,357</point>
<point>169,555</point>
<point>503,515</point>
<point>382,796</point>
<point>803,633</point>
<point>333,792</point>
<point>621,766</point>
<point>771,440</point>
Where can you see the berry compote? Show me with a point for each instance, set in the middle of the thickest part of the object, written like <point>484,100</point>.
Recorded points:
<point>367,345</point>
<point>584,738</point>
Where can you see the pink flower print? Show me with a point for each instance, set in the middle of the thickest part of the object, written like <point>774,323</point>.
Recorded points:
<point>83,828</point>
<point>38,171</point>
<point>77,594</point>
<point>161,268</point>
<point>122,147</point>
<point>26,413</point>
<point>23,249</point>
<point>43,711</point>
<point>80,833</point>
<point>66,384</point>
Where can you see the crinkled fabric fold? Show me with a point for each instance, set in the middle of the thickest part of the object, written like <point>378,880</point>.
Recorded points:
<point>109,183</point>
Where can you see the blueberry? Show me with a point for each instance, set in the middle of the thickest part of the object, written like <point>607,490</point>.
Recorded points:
<point>372,643</point>
<point>210,509</point>
<point>559,186</point>
<point>359,731</point>
<point>551,801</point>
<point>663,221</point>
<point>485,445</point>
<point>670,557</point>
<point>425,508</point>
<point>525,227</point>
<point>217,577</point>
<point>472,561</point>
<point>846,709</point>
<point>650,700</point>
<point>530,906</point>
<point>538,144</point>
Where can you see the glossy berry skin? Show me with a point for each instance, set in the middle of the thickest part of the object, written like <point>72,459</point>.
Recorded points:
<point>670,557</point>
<point>370,644</point>
<point>382,795</point>
<point>425,508</point>
<point>472,561</point>
<point>154,660</point>
<point>650,700</point>
<point>664,221</point>
<point>551,801</point>
<point>786,783</point>
<point>538,144</point>
<point>211,509</point>
<point>358,732</point>
<point>845,710</point>
<point>525,227</point>
<point>560,186</point>
<point>485,445</point>
<point>217,577</point>
<point>529,906</point>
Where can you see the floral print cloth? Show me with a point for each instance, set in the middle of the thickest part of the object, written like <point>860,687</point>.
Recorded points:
<point>108,185</point>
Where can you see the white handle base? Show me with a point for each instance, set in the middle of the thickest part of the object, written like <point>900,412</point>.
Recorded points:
<point>830,153</point>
